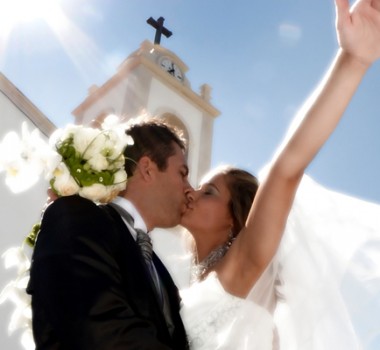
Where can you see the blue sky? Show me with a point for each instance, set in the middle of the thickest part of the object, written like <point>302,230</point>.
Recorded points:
<point>262,59</point>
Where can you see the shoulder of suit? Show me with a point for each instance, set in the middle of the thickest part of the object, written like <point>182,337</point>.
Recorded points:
<point>72,204</point>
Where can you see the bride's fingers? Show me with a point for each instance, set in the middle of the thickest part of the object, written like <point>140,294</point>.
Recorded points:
<point>376,4</point>
<point>373,3</point>
<point>365,3</point>
<point>342,13</point>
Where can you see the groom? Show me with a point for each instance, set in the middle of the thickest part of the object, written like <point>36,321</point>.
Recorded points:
<point>91,287</point>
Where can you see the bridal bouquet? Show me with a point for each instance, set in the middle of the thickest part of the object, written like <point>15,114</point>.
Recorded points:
<point>75,160</point>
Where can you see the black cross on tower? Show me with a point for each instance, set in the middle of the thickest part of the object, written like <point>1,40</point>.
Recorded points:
<point>160,29</point>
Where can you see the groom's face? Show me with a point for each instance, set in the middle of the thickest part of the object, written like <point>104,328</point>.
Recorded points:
<point>172,186</point>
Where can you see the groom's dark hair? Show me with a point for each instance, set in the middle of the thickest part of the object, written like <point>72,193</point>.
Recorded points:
<point>154,138</point>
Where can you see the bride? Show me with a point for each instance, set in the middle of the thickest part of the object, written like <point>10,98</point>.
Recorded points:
<point>256,289</point>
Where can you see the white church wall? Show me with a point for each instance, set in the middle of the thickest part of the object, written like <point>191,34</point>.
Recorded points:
<point>19,212</point>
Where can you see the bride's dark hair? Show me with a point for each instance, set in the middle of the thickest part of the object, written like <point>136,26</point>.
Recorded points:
<point>243,187</point>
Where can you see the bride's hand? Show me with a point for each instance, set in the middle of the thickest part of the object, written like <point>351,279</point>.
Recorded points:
<point>358,30</point>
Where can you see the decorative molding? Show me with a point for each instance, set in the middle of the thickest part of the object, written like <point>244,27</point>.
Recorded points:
<point>147,55</point>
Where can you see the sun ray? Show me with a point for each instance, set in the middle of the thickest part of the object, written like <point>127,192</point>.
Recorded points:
<point>77,45</point>
<point>81,49</point>
<point>16,12</point>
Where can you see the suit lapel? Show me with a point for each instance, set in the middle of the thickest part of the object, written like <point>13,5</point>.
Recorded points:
<point>140,285</point>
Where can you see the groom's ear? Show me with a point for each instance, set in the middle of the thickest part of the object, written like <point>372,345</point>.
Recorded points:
<point>147,168</point>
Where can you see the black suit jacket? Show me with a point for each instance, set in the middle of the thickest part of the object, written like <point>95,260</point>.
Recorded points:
<point>90,288</point>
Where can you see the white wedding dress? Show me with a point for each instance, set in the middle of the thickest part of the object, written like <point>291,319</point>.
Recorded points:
<point>321,291</point>
<point>215,319</point>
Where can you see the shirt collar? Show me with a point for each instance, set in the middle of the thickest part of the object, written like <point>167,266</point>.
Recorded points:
<point>132,210</point>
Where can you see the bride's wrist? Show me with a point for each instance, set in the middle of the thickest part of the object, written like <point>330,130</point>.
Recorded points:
<point>354,61</point>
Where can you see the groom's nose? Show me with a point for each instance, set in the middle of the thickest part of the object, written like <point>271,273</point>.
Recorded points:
<point>190,194</point>
<point>188,187</point>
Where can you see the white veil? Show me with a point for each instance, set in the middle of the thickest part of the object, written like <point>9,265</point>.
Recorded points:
<point>328,264</point>
<point>329,267</point>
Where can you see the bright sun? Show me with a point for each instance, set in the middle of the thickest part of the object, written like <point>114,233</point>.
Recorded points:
<point>16,13</point>
<point>13,12</point>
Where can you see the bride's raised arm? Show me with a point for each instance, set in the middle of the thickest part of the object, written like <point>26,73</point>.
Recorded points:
<point>358,32</point>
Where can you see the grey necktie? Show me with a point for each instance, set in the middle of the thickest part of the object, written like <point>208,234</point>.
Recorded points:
<point>145,244</point>
<point>146,248</point>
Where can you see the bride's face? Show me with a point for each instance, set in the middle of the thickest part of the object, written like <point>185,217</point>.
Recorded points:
<point>208,209</point>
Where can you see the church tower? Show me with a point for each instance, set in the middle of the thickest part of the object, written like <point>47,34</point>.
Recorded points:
<point>153,80</point>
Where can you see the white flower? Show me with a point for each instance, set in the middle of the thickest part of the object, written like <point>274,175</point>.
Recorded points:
<point>120,179</point>
<point>27,340</point>
<point>56,136</point>
<point>95,192</point>
<point>20,176</point>
<point>64,183</point>
<point>14,291</point>
<point>112,122</point>
<point>16,256</point>
<point>25,158</point>
<point>52,161</point>
<point>83,139</point>
<point>98,162</point>
<point>22,314</point>
<point>16,158</point>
